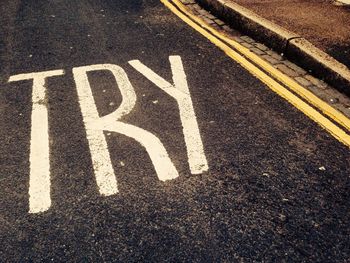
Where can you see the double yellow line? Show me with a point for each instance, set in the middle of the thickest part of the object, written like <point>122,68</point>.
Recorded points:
<point>336,123</point>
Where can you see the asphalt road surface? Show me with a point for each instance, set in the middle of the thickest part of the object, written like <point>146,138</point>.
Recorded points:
<point>140,141</point>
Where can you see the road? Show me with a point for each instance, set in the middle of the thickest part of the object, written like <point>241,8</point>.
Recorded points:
<point>127,136</point>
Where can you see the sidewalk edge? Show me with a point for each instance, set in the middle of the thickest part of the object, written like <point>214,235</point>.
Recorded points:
<point>294,47</point>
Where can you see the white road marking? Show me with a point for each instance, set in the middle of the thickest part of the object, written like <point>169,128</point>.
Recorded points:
<point>95,126</point>
<point>164,167</point>
<point>180,92</point>
<point>39,182</point>
<point>346,2</point>
<point>101,161</point>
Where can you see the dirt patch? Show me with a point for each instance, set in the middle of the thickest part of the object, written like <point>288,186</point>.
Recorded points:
<point>323,23</point>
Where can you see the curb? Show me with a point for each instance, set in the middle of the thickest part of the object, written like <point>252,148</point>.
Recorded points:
<point>294,47</point>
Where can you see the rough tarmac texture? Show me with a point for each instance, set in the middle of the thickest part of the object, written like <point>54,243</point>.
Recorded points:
<point>278,185</point>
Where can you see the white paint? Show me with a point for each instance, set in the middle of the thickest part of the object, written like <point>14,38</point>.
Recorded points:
<point>180,92</point>
<point>164,167</point>
<point>95,125</point>
<point>346,2</point>
<point>39,181</point>
<point>104,172</point>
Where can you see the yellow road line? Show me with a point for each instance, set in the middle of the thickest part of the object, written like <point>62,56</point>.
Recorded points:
<point>312,113</point>
<point>290,83</point>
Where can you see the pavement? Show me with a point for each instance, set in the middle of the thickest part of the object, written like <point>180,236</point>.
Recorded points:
<point>323,23</point>
<point>131,90</point>
<point>314,35</point>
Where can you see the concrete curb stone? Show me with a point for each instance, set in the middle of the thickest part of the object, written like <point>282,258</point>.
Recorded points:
<point>321,64</point>
<point>292,46</point>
